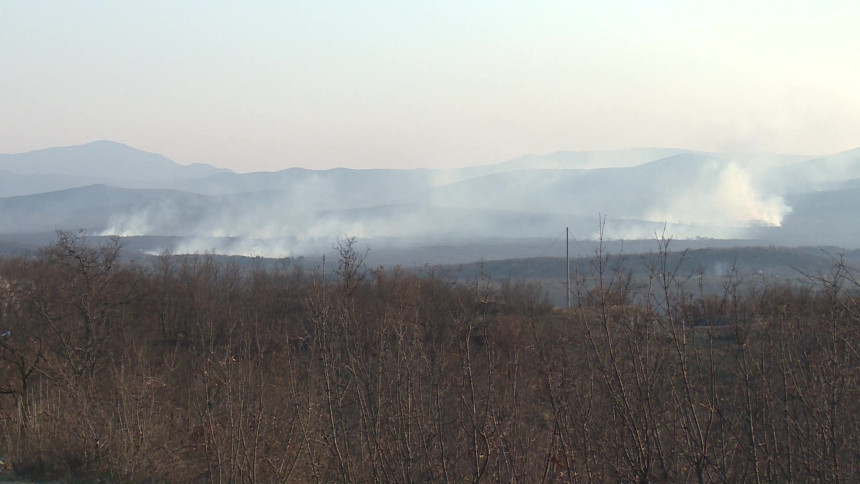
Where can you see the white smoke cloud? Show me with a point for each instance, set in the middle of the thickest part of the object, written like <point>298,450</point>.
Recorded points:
<point>277,248</point>
<point>714,199</point>
<point>129,225</point>
<point>723,195</point>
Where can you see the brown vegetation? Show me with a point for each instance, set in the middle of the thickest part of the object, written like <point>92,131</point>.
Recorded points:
<point>191,370</point>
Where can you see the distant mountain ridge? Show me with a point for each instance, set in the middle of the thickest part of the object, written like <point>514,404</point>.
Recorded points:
<point>110,188</point>
<point>103,160</point>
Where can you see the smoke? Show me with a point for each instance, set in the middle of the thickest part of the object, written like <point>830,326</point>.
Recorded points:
<point>277,248</point>
<point>693,198</point>
<point>165,217</point>
<point>723,195</point>
<point>129,225</point>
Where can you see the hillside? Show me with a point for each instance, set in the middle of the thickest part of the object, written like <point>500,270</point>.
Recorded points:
<point>196,368</point>
<point>109,188</point>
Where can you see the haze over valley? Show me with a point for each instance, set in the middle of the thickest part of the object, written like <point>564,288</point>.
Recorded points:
<point>513,209</point>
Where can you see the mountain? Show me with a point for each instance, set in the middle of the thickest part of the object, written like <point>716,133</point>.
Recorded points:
<point>327,189</point>
<point>15,184</point>
<point>579,160</point>
<point>821,173</point>
<point>109,188</point>
<point>105,160</point>
<point>97,207</point>
<point>828,217</point>
<point>687,188</point>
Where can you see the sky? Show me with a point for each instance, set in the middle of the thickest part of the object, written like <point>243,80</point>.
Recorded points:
<point>267,85</point>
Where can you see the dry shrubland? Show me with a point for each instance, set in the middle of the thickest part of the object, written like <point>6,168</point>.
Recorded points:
<point>193,370</point>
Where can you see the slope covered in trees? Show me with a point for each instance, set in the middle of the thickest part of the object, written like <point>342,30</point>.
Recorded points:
<point>193,370</point>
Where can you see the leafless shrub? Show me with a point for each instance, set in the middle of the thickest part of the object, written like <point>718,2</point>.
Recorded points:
<point>193,370</point>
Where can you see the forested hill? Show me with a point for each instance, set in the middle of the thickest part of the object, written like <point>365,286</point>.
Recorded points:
<point>111,189</point>
<point>190,370</point>
<point>711,262</point>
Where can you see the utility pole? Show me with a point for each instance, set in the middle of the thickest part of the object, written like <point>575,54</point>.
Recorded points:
<point>567,258</point>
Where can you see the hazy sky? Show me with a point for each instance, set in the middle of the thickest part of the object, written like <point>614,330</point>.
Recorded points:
<point>267,85</point>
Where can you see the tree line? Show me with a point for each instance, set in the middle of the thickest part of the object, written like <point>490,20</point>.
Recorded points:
<point>189,369</point>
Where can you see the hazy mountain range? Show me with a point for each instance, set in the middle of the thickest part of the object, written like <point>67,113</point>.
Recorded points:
<point>109,188</point>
